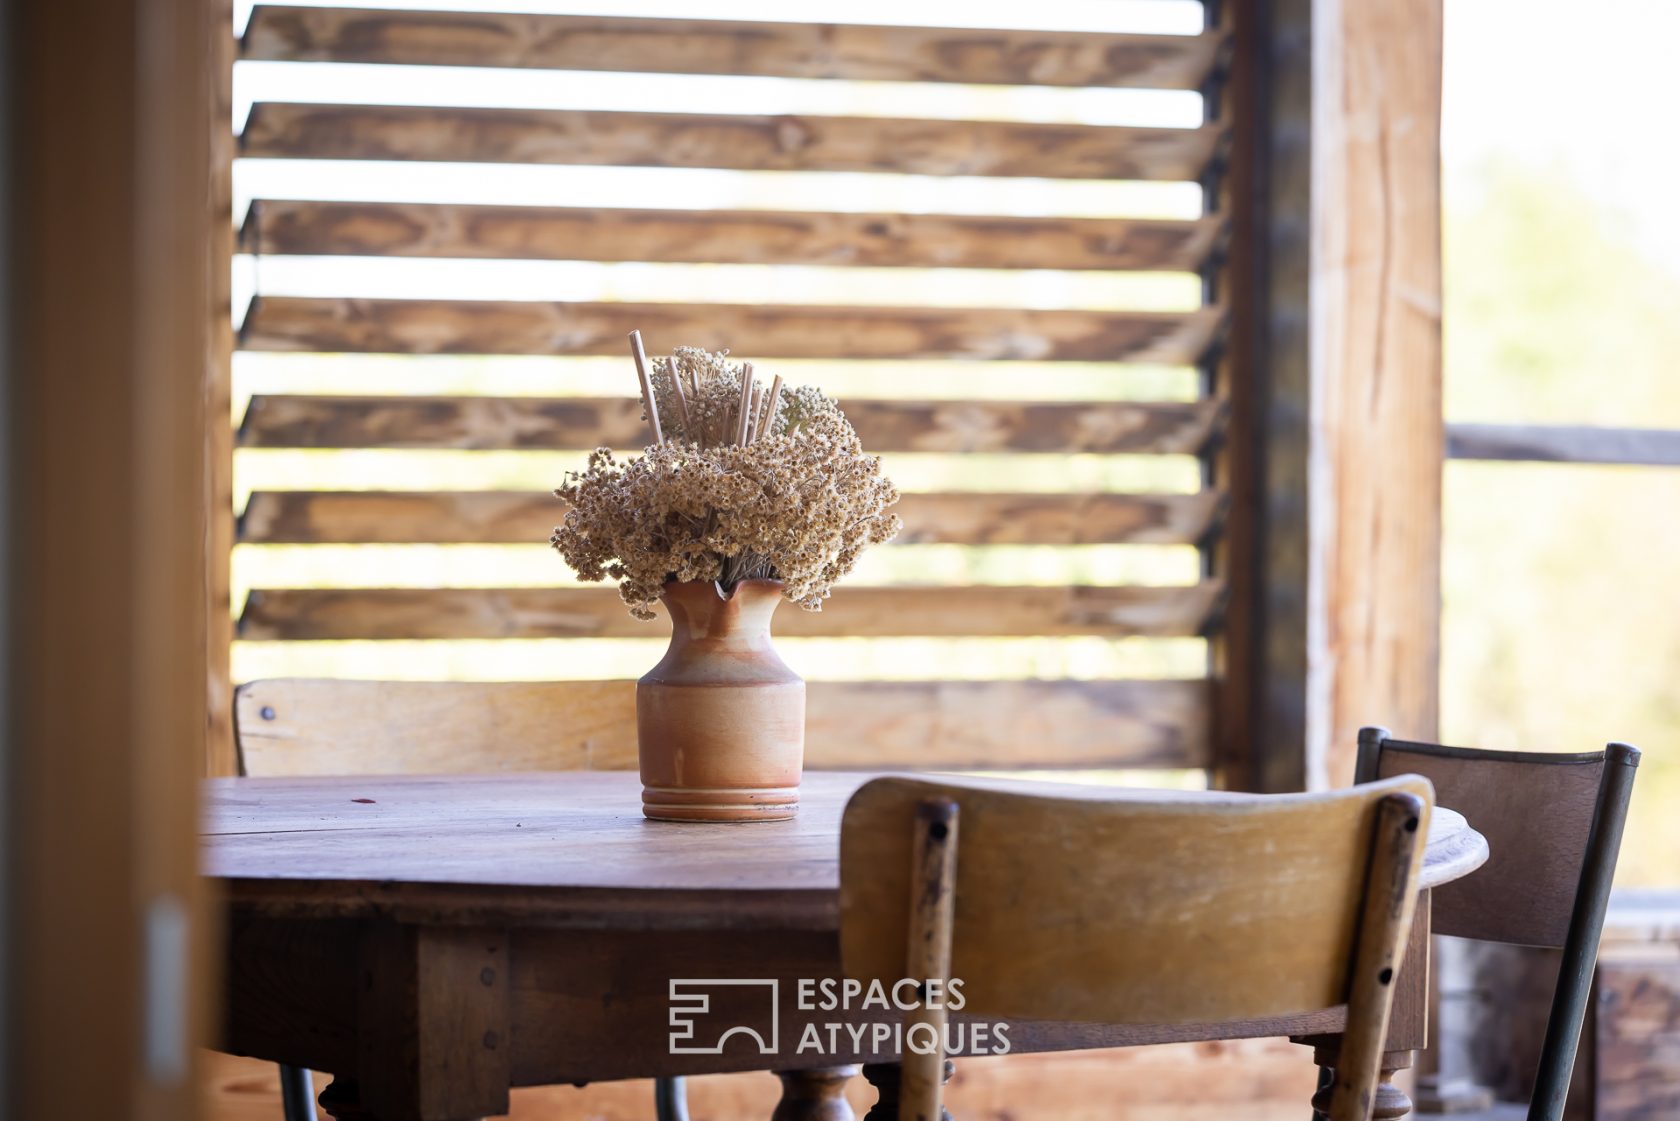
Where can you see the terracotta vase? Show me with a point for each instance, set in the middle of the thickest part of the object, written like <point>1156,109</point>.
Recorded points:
<point>720,721</point>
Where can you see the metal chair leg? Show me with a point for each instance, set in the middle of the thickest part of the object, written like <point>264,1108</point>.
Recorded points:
<point>297,1093</point>
<point>670,1100</point>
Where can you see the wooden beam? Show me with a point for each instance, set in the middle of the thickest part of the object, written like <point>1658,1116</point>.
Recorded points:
<point>218,400</point>
<point>104,332</point>
<point>709,46</point>
<point>1540,443</point>
<point>425,613</point>
<point>752,143</point>
<point>1375,485</point>
<point>763,331</point>
<point>764,237</point>
<point>405,517</point>
<point>319,727</point>
<point>567,423</point>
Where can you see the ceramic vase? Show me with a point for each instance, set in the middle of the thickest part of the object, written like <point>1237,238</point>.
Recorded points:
<point>720,721</point>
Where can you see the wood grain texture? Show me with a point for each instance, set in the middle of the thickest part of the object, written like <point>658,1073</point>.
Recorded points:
<point>1637,1037</point>
<point>1541,443</point>
<point>853,612</point>
<point>1251,905</point>
<point>1526,893</point>
<point>709,46</point>
<point>570,423</point>
<point>217,373</point>
<point>404,517</point>
<point>743,142</point>
<point>766,237</point>
<point>481,849</point>
<point>1374,484</point>
<point>289,323</point>
<point>325,726</point>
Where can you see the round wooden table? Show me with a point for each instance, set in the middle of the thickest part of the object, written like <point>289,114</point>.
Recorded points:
<point>528,926</point>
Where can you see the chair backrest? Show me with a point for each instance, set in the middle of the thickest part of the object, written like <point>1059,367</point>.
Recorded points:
<point>1553,824</point>
<point>303,726</point>
<point>1084,905</point>
<point>1538,812</point>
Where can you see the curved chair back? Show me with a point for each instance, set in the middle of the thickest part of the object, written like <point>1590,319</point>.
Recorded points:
<point>1075,904</point>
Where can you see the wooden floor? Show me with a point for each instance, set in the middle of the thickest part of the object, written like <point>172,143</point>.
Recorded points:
<point>1258,1079</point>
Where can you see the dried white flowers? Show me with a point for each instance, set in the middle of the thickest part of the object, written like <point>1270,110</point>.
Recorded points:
<point>743,482</point>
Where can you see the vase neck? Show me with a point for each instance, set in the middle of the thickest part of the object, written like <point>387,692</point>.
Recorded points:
<point>701,612</point>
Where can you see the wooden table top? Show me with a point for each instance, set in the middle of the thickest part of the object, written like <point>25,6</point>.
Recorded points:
<point>567,849</point>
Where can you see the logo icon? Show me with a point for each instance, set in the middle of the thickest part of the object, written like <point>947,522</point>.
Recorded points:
<point>691,999</point>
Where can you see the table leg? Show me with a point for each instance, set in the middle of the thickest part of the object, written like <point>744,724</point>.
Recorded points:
<point>817,1094</point>
<point>885,1078</point>
<point>1391,1102</point>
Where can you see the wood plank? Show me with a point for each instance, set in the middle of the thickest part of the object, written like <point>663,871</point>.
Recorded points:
<point>1175,427</point>
<point>709,46</point>
<point>295,323</point>
<point>428,613</point>
<point>323,727</point>
<point>286,226</point>
<point>741,141</point>
<point>1374,473</point>
<point>1541,443</point>
<point>508,517</point>
<point>217,376</point>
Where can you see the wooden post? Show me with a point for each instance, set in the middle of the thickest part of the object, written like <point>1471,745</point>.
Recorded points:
<point>1374,481</point>
<point>218,397</point>
<point>107,173</point>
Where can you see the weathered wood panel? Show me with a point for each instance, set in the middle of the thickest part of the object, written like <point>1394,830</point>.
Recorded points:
<point>415,517</point>
<point>765,237</point>
<point>709,46</point>
<point>425,613</point>
<point>745,142</point>
<point>1373,481</point>
<point>585,422</point>
<point>1652,447</point>
<point>305,727</point>
<point>293,323</point>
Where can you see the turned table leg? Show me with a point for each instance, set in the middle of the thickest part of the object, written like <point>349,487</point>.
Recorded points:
<point>885,1078</point>
<point>1390,1103</point>
<point>818,1094</point>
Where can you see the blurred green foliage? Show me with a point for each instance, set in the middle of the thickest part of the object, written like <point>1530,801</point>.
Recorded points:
<point>1561,620</point>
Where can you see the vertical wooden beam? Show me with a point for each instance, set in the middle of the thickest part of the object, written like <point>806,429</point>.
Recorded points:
<point>1374,485</point>
<point>1260,661</point>
<point>218,396</point>
<point>107,162</point>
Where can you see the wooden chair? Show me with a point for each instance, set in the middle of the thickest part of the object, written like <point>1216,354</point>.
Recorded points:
<point>300,726</point>
<point>1072,905</point>
<point>1553,824</point>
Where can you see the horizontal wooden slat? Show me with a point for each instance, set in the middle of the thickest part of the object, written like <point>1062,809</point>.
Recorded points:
<point>450,517</point>
<point>707,46</point>
<point>765,237</point>
<point>1109,427</point>
<point>323,727</point>
<point>745,142</point>
<point>425,613</point>
<point>1649,447</point>
<point>293,323</point>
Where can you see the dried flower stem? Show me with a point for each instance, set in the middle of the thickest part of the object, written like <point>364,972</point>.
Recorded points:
<point>770,408</point>
<point>648,402</point>
<point>744,414</point>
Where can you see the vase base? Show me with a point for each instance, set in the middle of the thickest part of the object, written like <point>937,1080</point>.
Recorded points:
<point>666,803</point>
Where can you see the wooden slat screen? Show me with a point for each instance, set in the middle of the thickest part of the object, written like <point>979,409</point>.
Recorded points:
<point>1162,719</point>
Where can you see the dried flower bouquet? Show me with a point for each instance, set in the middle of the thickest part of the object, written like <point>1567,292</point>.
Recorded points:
<point>742,482</point>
